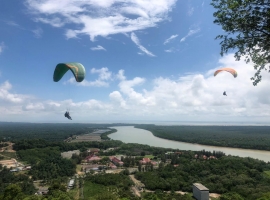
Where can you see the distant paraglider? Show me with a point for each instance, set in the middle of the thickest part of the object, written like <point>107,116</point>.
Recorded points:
<point>230,70</point>
<point>77,70</point>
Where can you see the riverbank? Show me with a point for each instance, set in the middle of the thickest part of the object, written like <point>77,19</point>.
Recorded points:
<point>244,137</point>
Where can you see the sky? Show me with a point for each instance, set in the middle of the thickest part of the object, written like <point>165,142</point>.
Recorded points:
<point>145,60</point>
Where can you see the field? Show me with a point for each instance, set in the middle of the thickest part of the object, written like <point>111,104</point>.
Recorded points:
<point>87,138</point>
<point>149,156</point>
<point>267,173</point>
<point>92,190</point>
<point>8,163</point>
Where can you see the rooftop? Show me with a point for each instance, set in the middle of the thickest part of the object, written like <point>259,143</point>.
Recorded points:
<point>200,186</point>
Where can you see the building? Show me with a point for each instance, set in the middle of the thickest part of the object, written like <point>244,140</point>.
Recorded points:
<point>112,166</point>
<point>200,192</point>
<point>92,157</point>
<point>116,161</point>
<point>71,183</point>
<point>93,150</point>
<point>144,161</point>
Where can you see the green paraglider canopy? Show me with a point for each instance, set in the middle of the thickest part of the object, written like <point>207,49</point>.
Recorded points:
<point>76,68</point>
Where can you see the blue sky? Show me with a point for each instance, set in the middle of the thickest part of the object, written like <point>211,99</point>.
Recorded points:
<point>145,60</point>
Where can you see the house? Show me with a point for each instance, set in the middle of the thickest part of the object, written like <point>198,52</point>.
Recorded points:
<point>42,191</point>
<point>92,157</point>
<point>112,166</point>
<point>169,152</point>
<point>28,167</point>
<point>147,160</point>
<point>93,150</point>
<point>116,161</point>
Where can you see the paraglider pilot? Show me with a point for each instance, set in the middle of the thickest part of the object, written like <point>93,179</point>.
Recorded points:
<point>67,115</point>
<point>224,93</point>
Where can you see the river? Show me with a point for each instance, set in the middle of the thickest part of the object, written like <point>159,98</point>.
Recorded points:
<point>129,134</point>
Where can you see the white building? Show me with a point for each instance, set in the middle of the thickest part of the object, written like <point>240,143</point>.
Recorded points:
<point>71,183</point>
<point>200,192</point>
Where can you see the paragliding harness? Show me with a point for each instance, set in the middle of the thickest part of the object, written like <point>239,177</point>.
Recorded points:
<point>67,115</point>
<point>224,93</point>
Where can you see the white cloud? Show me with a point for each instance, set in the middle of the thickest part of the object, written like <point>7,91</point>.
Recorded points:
<point>170,39</point>
<point>2,46</point>
<point>104,76</point>
<point>55,22</point>
<point>136,40</point>
<point>120,76</point>
<point>12,23</point>
<point>96,83</point>
<point>100,18</point>
<point>34,106</point>
<point>190,33</point>
<point>196,96</point>
<point>190,11</point>
<point>104,73</point>
<point>38,32</point>
<point>116,97</point>
<point>7,96</point>
<point>98,48</point>
<point>171,50</point>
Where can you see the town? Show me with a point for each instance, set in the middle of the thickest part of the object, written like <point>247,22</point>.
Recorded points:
<point>90,165</point>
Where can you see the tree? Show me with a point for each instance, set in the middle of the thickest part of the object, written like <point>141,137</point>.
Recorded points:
<point>231,196</point>
<point>13,192</point>
<point>247,30</point>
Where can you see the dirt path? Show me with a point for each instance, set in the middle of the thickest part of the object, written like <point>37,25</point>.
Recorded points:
<point>137,184</point>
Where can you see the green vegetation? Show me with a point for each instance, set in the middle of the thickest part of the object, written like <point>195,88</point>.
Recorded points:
<point>104,136</point>
<point>22,181</point>
<point>91,189</point>
<point>267,173</point>
<point>232,177</point>
<point>108,186</point>
<point>244,176</point>
<point>247,137</point>
<point>160,195</point>
<point>8,154</point>
<point>14,131</point>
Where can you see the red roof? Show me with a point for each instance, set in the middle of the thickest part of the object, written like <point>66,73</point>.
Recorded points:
<point>92,157</point>
<point>146,160</point>
<point>116,160</point>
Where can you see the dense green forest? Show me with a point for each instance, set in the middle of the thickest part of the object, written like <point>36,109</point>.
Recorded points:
<point>14,131</point>
<point>247,137</point>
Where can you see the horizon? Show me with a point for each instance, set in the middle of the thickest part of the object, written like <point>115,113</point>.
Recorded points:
<point>158,123</point>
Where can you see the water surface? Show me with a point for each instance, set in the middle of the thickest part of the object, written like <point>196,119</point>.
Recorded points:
<point>129,134</point>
